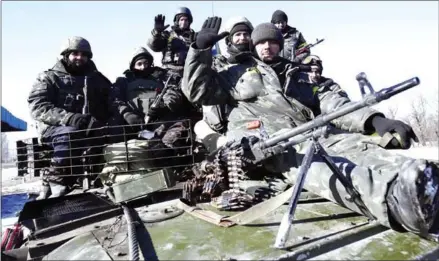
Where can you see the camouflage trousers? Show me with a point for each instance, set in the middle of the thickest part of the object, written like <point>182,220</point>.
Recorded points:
<point>69,144</point>
<point>370,168</point>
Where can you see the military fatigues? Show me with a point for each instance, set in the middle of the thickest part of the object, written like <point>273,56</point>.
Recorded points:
<point>174,45</point>
<point>259,95</point>
<point>293,41</point>
<point>131,94</point>
<point>55,97</point>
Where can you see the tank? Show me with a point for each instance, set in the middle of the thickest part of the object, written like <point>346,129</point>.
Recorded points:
<point>122,207</point>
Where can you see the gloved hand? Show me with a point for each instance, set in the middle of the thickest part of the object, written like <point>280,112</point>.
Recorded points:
<point>80,121</point>
<point>208,35</point>
<point>172,99</point>
<point>155,112</point>
<point>383,125</point>
<point>133,119</point>
<point>159,23</point>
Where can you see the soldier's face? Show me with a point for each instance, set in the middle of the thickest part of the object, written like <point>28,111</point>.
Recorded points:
<point>281,25</point>
<point>241,37</point>
<point>141,65</point>
<point>183,22</point>
<point>267,50</point>
<point>78,58</point>
<point>314,76</point>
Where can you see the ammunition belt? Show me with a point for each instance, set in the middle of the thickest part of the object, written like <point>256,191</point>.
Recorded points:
<point>222,186</point>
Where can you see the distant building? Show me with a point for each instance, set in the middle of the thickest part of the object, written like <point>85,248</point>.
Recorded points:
<point>11,123</point>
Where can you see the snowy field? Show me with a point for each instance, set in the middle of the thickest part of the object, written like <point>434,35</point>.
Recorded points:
<point>11,184</point>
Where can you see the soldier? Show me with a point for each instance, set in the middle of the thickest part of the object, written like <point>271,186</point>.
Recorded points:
<point>238,44</point>
<point>400,192</point>
<point>132,94</point>
<point>173,44</point>
<point>293,38</point>
<point>57,101</point>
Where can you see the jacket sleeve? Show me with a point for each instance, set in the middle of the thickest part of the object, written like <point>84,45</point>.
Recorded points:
<point>41,105</point>
<point>332,97</point>
<point>201,84</point>
<point>301,42</point>
<point>158,42</point>
<point>117,97</point>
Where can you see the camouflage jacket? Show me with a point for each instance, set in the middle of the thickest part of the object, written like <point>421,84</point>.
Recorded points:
<point>293,41</point>
<point>57,95</point>
<point>173,44</point>
<point>254,91</point>
<point>131,94</point>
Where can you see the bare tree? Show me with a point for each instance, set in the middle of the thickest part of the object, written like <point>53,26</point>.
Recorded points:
<point>424,124</point>
<point>392,111</point>
<point>5,148</point>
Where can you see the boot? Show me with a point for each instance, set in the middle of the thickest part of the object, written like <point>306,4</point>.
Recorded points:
<point>413,198</point>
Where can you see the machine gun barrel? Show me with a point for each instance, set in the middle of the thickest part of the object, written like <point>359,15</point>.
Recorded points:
<point>308,46</point>
<point>322,120</point>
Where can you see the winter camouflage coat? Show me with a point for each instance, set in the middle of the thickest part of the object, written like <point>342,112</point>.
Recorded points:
<point>173,44</point>
<point>254,91</point>
<point>293,41</point>
<point>131,94</point>
<point>57,95</point>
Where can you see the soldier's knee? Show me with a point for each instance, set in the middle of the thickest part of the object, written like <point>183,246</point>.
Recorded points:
<point>206,135</point>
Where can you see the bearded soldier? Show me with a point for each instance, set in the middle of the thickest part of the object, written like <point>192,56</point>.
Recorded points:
<point>57,101</point>
<point>238,44</point>
<point>395,189</point>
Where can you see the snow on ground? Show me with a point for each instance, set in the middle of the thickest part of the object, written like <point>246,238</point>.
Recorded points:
<point>11,183</point>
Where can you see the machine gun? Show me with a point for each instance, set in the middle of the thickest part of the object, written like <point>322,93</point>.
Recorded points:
<point>308,47</point>
<point>278,144</point>
<point>251,151</point>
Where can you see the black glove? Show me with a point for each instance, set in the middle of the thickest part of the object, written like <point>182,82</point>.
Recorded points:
<point>80,121</point>
<point>159,23</point>
<point>208,35</point>
<point>133,119</point>
<point>155,112</point>
<point>383,125</point>
<point>172,99</point>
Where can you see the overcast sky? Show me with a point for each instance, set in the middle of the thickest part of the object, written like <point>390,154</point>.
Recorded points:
<point>390,41</point>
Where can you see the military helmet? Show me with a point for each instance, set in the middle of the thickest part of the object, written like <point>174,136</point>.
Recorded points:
<point>185,11</point>
<point>77,43</point>
<point>313,60</point>
<point>141,51</point>
<point>232,22</point>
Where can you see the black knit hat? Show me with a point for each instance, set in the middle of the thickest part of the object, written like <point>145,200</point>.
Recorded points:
<point>279,16</point>
<point>240,27</point>
<point>267,31</point>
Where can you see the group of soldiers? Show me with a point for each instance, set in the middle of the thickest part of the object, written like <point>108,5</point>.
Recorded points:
<point>259,78</point>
